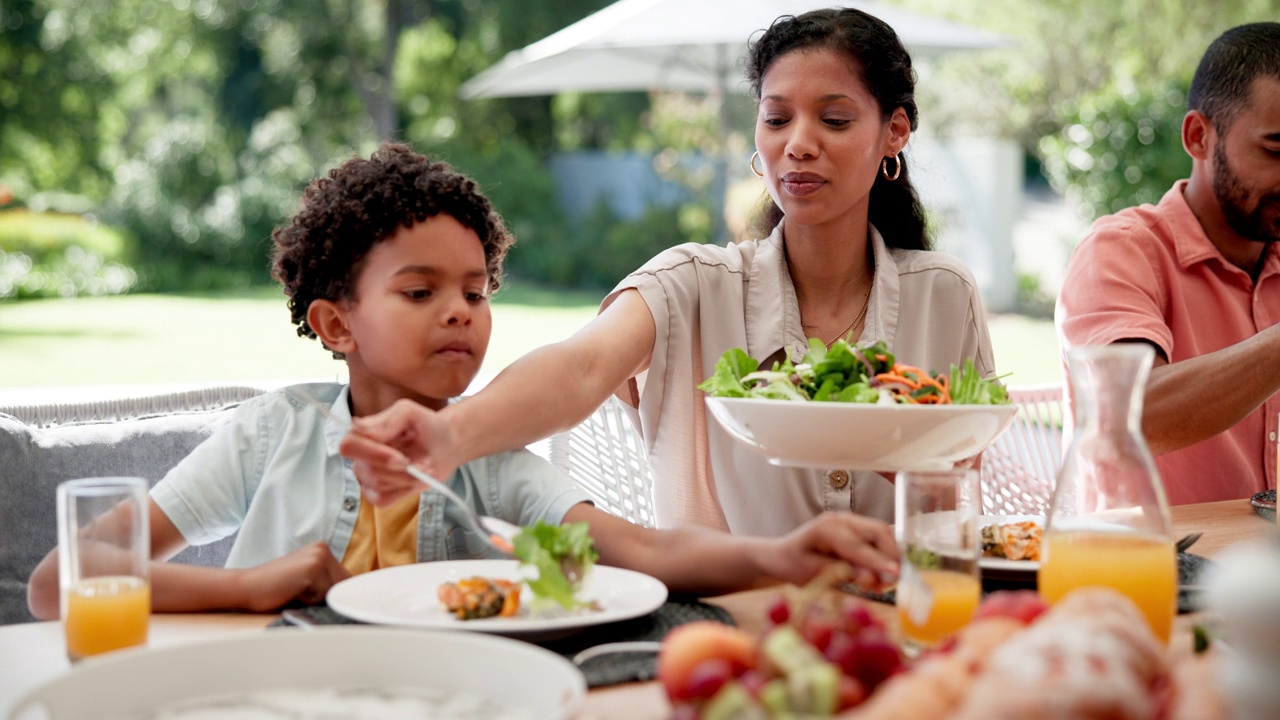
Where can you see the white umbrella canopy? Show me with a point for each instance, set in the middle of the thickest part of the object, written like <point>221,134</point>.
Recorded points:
<point>682,45</point>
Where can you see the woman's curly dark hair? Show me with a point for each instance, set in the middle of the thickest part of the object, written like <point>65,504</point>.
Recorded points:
<point>319,253</point>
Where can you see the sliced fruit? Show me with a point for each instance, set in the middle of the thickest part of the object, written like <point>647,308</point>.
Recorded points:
<point>689,645</point>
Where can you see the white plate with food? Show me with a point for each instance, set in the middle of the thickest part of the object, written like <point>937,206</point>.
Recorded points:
<point>853,435</point>
<point>1011,546</point>
<point>324,673</point>
<point>408,596</point>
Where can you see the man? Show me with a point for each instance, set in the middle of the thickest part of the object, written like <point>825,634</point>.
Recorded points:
<point>1198,278</point>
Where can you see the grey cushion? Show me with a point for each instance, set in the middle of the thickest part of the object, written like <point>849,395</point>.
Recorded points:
<point>34,460</point>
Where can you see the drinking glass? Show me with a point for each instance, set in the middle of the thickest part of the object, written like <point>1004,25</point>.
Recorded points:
<point>104,547</point>
<point>1109,521</point>
<point>939,589</point>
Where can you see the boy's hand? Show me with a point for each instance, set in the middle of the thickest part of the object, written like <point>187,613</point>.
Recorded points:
<point>305,574</point>
<point>381,446</point>
<point>864,543</point>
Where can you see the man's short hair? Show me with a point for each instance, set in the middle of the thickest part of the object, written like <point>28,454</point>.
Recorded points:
<point>1226,73</point>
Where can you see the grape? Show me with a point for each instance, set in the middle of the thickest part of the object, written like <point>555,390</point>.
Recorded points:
<point>818,631</point>
<point>850,692</point>
<point>707,677</point>
<point>779,611</point>
<point>753,681</point>
<point>857,616</point>
<point>843,651</point>
<point>877,659</point>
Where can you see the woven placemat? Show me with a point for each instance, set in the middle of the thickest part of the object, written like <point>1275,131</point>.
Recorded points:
<point>1189,596</point>
<point>599,671</point>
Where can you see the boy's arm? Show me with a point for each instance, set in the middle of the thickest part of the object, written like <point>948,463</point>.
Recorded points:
<point>304,574</point>
<point>707,562</point>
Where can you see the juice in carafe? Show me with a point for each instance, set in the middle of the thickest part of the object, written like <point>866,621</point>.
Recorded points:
<point>950,598</point>
<point>106,613</point>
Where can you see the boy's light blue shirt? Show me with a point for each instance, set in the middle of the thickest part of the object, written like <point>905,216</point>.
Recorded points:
<point>274,473</point>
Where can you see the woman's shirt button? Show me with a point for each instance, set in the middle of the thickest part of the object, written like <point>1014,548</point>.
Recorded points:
<point>838,478</point>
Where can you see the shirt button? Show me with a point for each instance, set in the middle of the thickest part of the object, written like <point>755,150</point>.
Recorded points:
<point>348,503</point>
<point>1273,437</point>
<point>838,478</point>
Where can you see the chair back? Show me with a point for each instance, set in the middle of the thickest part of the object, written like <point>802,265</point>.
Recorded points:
<point>1020,467</point>
<point>605,456</point>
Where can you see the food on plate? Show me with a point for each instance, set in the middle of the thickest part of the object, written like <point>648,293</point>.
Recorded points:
<point>1018,540</point>
<point>563,556</point>
<point>847,373</point>
<point>474,598</point>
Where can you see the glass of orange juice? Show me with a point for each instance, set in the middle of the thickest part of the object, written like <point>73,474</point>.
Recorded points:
<point>939,589</point>
<point>104,546</point>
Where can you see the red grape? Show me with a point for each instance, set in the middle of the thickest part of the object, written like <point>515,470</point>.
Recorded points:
<point>779,611</point>
<point>707,677</point>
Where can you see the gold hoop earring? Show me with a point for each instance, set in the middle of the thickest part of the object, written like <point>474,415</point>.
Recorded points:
<point>754,171</point>
<point>897,168</point>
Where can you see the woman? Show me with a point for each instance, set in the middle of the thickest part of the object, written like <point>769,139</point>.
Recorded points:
<point>847,256</point>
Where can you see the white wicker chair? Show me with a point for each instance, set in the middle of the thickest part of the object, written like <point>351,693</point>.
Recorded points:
<point>605,456</point>
<point>1020,467</point>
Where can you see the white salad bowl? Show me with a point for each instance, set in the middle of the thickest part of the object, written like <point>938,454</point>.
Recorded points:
<point>326,672</point>
<point>861,436</point>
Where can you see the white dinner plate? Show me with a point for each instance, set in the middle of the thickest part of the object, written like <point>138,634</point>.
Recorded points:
<point>1001,568</point>
<point>350,671</point>
<point>406,596</point>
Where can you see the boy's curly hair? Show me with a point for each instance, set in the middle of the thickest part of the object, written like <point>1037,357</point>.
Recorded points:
<point>319,253</point>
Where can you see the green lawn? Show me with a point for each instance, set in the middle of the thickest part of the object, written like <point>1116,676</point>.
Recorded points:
<point>174,340</point>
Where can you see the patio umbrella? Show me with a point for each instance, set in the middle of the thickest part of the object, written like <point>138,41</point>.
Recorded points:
<point>682,45</point>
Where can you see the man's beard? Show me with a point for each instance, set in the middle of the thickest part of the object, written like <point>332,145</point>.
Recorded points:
<point>1232,196</point>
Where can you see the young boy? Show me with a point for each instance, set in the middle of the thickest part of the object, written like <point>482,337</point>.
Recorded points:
<point>390,264</point>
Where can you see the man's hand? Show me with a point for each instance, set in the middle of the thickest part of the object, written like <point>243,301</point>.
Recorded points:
<point>305,574</point>
<point>864,543</point>
<point>382,446</point>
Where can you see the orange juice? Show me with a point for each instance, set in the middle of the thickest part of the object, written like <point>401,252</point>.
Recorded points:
<point>951,599</point>
<point>1143,567</point>
<point>106,613</point>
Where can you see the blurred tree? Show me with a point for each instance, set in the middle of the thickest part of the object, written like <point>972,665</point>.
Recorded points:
<point>1100,71</point>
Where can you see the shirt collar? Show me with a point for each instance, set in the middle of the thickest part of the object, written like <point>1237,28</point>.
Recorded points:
<point>337,426</point>
<point>773,312</point>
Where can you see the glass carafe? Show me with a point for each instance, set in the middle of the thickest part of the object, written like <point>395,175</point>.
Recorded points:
<point>1109,521</point>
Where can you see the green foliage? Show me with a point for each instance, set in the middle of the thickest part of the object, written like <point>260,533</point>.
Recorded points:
<point>1119,149</point>
<point>47,255</point>
<point>605,248</point>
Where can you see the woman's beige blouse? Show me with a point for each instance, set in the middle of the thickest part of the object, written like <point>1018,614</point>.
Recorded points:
<point>706,299</point>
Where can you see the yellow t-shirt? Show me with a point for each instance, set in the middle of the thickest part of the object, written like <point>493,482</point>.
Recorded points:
<point>383,536</point>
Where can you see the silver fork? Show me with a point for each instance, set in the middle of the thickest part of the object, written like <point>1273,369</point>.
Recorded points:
<point>499,533</point>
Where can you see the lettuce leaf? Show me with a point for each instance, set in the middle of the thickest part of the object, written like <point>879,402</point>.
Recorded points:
<point>968,387</point>
<point>562,554</point>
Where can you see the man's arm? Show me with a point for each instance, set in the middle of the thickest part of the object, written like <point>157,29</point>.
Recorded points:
<point>1193,400</point>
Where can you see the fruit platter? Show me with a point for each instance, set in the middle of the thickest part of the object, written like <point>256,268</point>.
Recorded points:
<point>1089,656</point>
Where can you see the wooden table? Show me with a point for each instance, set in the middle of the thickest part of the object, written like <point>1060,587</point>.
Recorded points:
<point>33,653</point>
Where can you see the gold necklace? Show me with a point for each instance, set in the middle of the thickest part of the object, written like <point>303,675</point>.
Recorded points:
<point>862,314</point>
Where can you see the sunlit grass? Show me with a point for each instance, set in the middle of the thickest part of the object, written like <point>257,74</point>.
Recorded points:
<point>173,340</point>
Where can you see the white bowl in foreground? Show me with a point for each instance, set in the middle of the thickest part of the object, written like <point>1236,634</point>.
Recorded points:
<point>353,672</point>
<point>861,436</point>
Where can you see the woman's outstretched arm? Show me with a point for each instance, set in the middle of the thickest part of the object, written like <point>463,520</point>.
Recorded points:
<point>549,390</point>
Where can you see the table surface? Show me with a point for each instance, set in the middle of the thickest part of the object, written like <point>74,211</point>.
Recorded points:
<point>33,653</point>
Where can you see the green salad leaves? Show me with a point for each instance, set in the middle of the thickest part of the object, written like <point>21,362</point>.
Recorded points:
<point>846,373</point>
<point>562,554</point>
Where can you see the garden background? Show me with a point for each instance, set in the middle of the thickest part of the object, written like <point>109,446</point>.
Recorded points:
<point>148,148</point>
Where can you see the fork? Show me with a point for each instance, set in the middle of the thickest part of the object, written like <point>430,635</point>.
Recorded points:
<point>499,533</point>
<point>1186,541</point>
